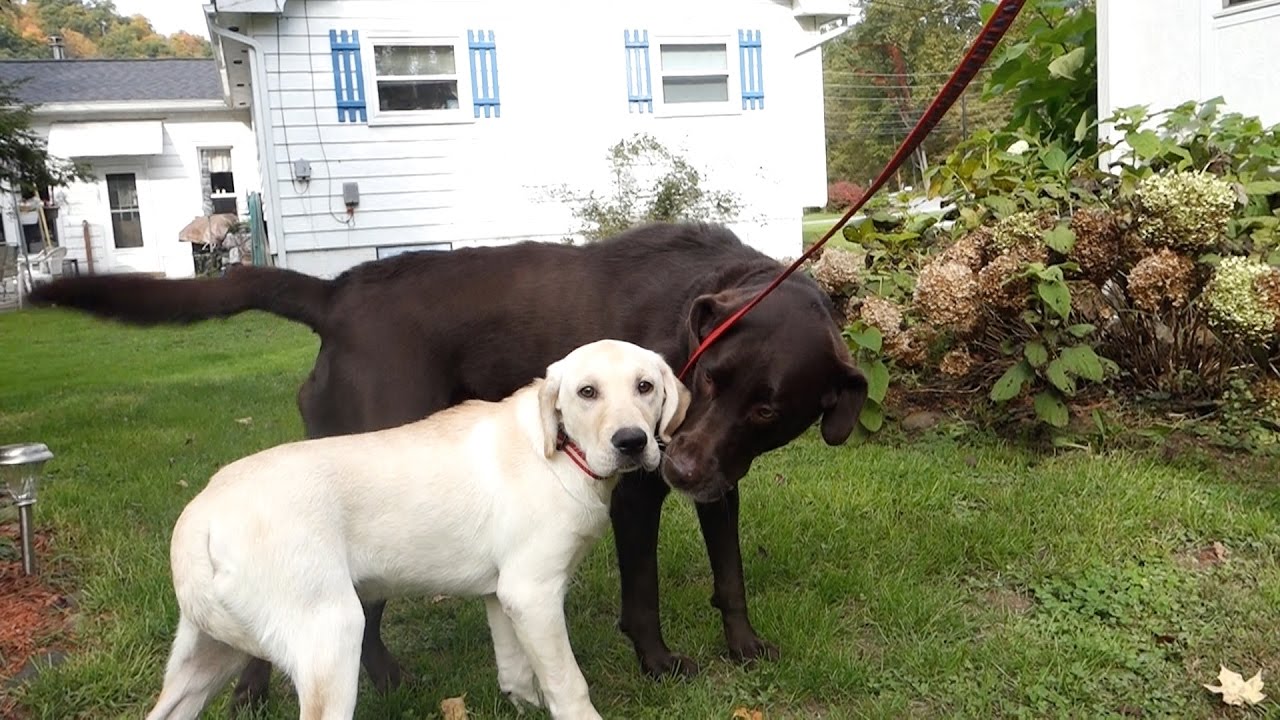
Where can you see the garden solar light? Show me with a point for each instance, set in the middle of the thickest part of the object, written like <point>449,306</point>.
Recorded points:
<point>20,467</point>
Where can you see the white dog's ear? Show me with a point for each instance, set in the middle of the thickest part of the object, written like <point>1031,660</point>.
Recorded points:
<point>548,395</point>
<point>675,403</point>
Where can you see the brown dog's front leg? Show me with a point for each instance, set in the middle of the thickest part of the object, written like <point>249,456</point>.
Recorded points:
<point>719,521</point>
<point>251,690</point>
<point>636,512</point>
<point>384,670</point>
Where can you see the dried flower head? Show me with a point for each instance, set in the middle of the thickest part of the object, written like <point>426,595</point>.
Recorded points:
<point>1162,280</point>
<point>999,286</point>
<point>837,271</point>
<point>1185,211</point>
<point>957,363</point>
<point>1099,247</point>
<point>970,250</point>
<point>1234,305</point>
<point>880,313</point>
<point>910,349</point>
<point>947,295</point>
<point>1089,301</point>
<point>1020,231</point>
<point>1268,287</point>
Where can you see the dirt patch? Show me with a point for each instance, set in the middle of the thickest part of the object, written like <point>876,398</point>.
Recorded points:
<point>32,612</point>
<point>1204,557</point>
<point>1006,600</point>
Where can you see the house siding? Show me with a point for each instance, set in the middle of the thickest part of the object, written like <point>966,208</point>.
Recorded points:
<point>169,188</point>
<point>1162,53</point>
<point>564,102</point>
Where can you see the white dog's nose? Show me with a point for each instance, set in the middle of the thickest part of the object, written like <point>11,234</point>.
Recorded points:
<point>630,440</point>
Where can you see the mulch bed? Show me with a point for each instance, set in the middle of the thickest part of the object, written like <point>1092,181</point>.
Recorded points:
<point>32,612</point>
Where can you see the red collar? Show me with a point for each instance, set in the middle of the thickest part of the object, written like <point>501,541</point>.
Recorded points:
<point>575,454</point>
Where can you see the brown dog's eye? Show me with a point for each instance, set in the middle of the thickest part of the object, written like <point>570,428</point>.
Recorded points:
<point>586,392</point>
<point>644,387</point>
<point>765,413</point>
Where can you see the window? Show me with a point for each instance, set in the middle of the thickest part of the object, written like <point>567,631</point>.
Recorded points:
<point>419,80</point>
<point>219,183</point>
<point>695,73</point>
<point>695,76</point>
<point>126,220</point>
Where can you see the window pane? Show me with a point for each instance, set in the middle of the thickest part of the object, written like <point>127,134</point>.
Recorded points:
<point>695,58</point>
<point>695,89</point>
<point>226,205</point>
<point>425,95</point>
<point>126,222</point>
<point>413,60</point>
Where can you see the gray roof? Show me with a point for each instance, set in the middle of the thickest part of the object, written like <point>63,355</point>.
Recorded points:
<point>95,80</point>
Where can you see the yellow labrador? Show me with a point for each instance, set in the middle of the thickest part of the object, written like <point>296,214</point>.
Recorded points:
<point>497,499</point>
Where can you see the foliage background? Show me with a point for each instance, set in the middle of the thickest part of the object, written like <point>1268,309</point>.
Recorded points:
<point>89,29</point>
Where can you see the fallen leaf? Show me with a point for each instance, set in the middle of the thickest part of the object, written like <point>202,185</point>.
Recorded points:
<point>1235,690</point>
<point>438,599</point>
<point>245,420</point>
<point>745,714</point>
<point>453,708</point>
<point>182,483</point>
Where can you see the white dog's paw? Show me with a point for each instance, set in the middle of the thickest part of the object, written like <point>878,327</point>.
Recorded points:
<point>523,697</point>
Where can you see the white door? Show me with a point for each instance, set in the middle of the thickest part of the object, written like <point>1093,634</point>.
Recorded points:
<point>127,245</point>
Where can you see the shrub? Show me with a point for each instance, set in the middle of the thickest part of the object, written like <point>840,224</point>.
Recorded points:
<point>842,194</point>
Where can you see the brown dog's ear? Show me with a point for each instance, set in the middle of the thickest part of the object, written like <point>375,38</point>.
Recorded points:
<point>548,396</point>
<point>675,403</point>
<point>709,310</point>
<point>843,404</point>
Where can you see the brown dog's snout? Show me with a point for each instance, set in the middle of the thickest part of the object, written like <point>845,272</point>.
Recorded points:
<point>630,440</point>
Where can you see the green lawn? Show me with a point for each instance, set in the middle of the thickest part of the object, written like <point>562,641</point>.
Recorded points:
<point>927,577</point>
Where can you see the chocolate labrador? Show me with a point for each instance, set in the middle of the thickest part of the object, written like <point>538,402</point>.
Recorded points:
<point>404,337</point>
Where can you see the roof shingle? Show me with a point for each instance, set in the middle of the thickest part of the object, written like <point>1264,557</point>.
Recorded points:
<point>95,80</point>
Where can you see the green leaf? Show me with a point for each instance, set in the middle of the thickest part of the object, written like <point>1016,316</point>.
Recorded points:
<point>1035,353</point>
<point>1057,375</point>
<point>1068,65</point>
<point>1060,238</point>
<point>1144,142</point>
<point>1262,187</point>
<point>1051,409</point>
<point>1082,361</point>
<point>872,417</point>
<point>1081,329</point>
<point>1001,206</point>
<point>1055,158</point>
<point>1056,295</point>
<point>877,379</point>
<point>1010,383</point>
<point>868,337</point>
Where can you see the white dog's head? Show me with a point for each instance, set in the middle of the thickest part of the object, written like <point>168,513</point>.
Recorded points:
<point>615,400</point>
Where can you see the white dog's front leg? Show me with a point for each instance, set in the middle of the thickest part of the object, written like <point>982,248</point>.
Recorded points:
<point>537,612</point>
<point>515,674</point>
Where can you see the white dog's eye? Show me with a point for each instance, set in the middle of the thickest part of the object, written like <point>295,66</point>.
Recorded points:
<point>644,387</point>
<point>586,392</point>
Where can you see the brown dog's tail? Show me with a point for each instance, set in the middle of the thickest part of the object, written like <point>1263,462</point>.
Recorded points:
<point>145,300</point>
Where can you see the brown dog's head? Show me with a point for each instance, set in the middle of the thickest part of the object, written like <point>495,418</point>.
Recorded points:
<point>762,384</point>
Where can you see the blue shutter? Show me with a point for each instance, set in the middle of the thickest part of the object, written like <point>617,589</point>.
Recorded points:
<point>750,65</point>
<point>639,86</point>
<point>484,72</point>
<point>348,75</point>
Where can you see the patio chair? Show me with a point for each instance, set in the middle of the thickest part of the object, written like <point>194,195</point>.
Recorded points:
<point>42,266</point>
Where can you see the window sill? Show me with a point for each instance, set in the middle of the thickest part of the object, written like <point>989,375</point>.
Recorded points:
<point>424,117</point>
<point>687,110</point>
<point>1248,12</point>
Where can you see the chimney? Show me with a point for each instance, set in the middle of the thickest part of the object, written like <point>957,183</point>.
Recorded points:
<point>59,50</point>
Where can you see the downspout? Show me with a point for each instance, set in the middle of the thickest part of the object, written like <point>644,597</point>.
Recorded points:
<point>261,114</point>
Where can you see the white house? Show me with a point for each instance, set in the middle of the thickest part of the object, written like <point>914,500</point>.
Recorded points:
<point>395,125</point>
<point>162,144</point>
<point>1163,53</point>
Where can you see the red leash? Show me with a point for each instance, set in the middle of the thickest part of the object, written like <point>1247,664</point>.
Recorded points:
<point>973,61</point>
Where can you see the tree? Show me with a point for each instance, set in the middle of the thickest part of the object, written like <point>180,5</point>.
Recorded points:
<point>89,28</point>
<point>24,157</point>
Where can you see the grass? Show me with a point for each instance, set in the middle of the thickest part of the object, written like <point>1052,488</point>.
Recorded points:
<point>814,225</point>
<point>924,578</point>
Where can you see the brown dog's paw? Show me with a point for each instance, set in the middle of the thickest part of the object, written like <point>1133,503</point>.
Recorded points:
<point>753,649</point>
<point>669,664</point>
